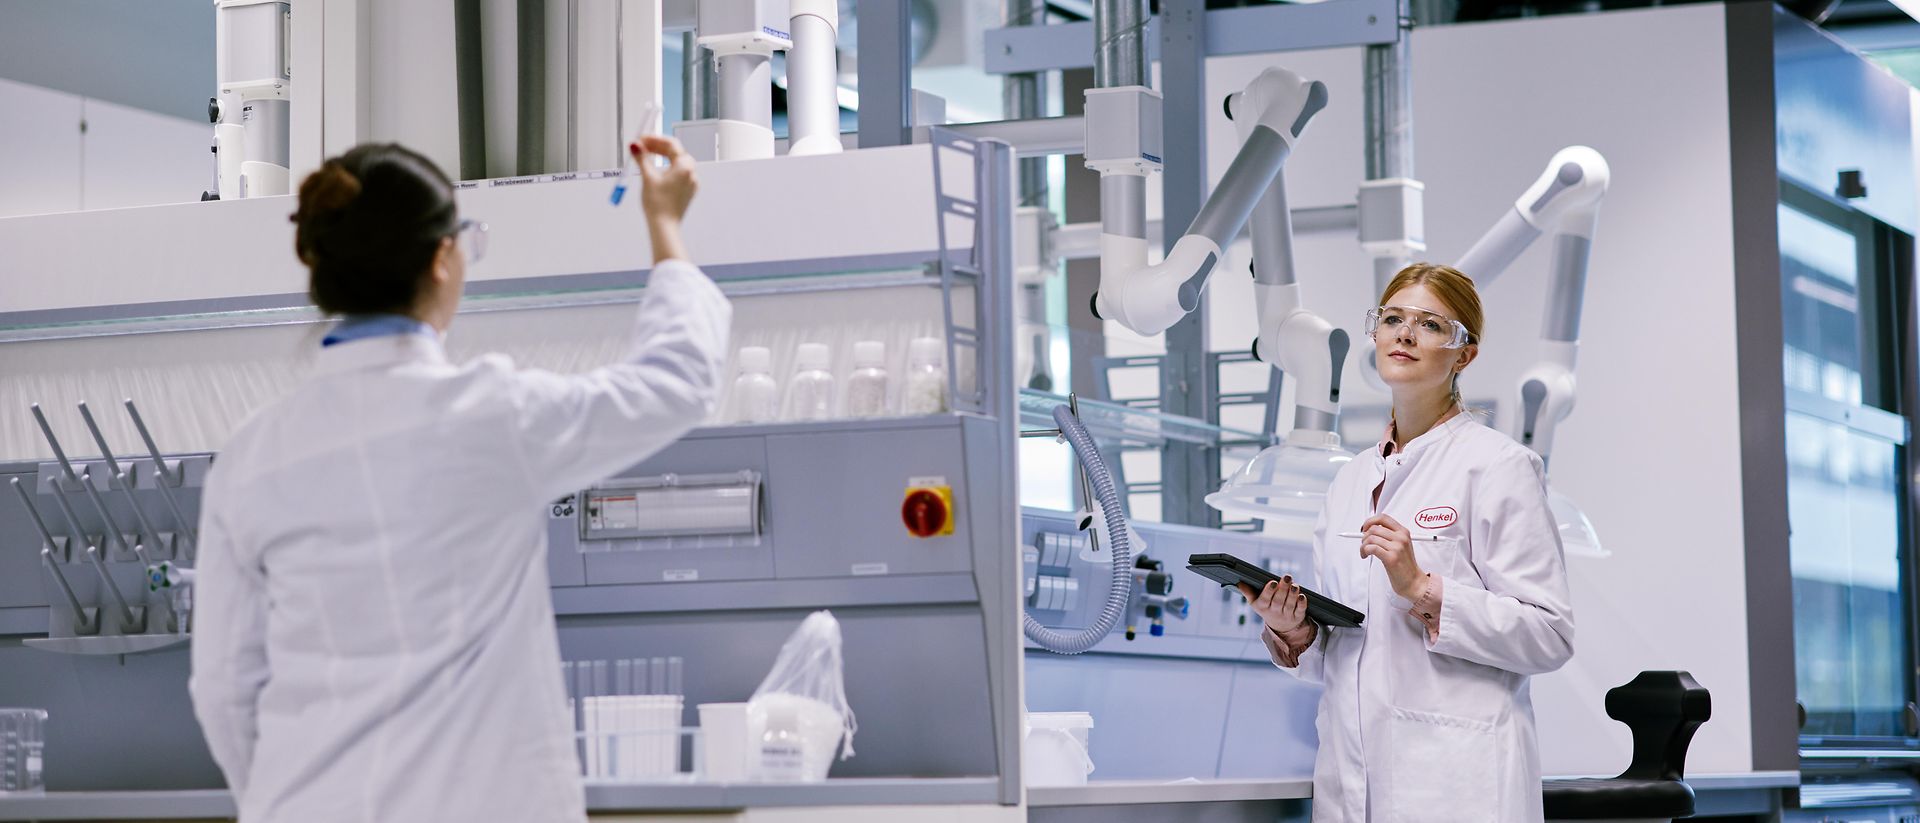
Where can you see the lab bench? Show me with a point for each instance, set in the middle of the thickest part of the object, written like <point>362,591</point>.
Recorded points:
<point>850,799</point>
<point>859,799</point>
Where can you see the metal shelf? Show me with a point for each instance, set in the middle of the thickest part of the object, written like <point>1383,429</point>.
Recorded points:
<point>1127,427</point>
<point>532,293</point>
<point>106,644</point>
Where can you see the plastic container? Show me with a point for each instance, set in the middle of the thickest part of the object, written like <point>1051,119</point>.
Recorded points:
<point>810,393</point>
<point>626,716</point>
<point>22,741</point>
<point>925,389</point>
<point>867,386</point>
<point>796,737</point>
<point>723,733</point>
<point>1055,750</point>
<point>756,396</point>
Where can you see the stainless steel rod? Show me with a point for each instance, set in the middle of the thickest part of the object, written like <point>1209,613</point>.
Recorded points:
<point>58,453</point>
<point>82,624</point>
<point>182,525</point>
<point>153,449</point>
<point>26,500</point>
<point>128,623</point>
<point>100,439</point>
<point>148,534</point>
<point>114,534</point>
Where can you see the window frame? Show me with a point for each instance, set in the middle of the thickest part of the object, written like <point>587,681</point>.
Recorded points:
<point>1890,393</point>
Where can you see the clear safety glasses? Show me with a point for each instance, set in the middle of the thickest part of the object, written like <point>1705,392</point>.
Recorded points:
<point>1429,328</point>
<point>473,239</point>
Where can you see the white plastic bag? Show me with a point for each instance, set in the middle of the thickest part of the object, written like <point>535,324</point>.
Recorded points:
<point>799,715</point>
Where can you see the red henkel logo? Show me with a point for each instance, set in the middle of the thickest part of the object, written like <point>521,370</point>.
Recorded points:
<point>1438,517</point>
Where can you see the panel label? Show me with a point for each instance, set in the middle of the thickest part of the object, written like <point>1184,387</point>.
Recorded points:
<point>864,569</point>
<point>680,575</point>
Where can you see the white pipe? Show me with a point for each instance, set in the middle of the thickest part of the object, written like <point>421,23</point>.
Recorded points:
<point>1566,197</point>
<point>1276,106</point>
<point>745,90</point>
<point>813,78</point>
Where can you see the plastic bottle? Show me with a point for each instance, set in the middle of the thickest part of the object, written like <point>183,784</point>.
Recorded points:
<point>756,397</point>
<point>926,380</point>
<point>867,386</point>
<point>783,752</point>
<point>810,393</point>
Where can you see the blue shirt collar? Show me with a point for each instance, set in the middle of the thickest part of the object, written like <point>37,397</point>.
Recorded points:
<point>361,326</point>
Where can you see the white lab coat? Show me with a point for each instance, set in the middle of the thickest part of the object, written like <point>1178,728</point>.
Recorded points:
<point>1412,730</point>
<point>374,636</point>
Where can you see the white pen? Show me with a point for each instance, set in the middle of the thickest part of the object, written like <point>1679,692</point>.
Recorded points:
<point>1433,537</point>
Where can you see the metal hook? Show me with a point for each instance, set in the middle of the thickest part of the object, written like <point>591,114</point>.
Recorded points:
<point>79,535</point>
<point>128,622</point>
<point>100,439</point>
<point>58,453</point>
<point>106,519</point>
<point>147,532</point>
<point>83,623</point>
<point>166,476</point>
<point>182,526</point>
<point>52,543</point>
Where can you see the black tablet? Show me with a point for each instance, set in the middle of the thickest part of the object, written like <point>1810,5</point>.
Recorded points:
<point>1228,570</point>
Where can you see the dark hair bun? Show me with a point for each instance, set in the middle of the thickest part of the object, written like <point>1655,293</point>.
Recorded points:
<point>368,227</point>
<point>330,189</point>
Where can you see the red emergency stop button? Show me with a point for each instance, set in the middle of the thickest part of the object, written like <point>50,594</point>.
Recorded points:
<point>928,511</point>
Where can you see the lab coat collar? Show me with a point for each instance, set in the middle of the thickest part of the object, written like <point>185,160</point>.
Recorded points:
<point>375,352</point>
<point>1445,430</point>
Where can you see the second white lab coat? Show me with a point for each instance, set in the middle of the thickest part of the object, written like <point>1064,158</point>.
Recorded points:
<point>1436,731</point>
<point>374,635</point>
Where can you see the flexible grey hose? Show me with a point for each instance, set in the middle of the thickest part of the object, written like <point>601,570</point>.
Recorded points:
<point>1120,590</point>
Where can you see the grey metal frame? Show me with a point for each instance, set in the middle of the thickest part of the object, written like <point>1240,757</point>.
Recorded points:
<point>1187,472</point>
<point>1249,30</point>
<point>1763,461</point>
<point>885,72</point>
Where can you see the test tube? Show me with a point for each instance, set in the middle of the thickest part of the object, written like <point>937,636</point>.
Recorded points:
<point>567,684</point>
<point>600,717</point>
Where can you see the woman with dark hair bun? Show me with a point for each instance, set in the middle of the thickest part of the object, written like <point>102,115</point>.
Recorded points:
<point>374,637</point>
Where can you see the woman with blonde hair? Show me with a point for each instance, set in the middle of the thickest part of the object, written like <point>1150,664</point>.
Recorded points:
<point>1442,536</point>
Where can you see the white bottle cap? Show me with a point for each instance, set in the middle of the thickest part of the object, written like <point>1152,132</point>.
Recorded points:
<point>755,360</point>
<point>869,354</point>
<point>925,351</point>
<point>812,357</point>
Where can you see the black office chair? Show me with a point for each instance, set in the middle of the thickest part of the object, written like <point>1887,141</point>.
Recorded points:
<point>1663,709</point>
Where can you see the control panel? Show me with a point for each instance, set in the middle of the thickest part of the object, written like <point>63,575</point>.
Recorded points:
<point>785,501</point>
<point>1172,611</point>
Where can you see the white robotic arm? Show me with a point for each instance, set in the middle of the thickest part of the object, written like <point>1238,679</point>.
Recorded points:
<point>1302,345</point>
<point>1565,201</point>
<point>1276,108</point>
<point>251,113</point>
<point>1285,481</point>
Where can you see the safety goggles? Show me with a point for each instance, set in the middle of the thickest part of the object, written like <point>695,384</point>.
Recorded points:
<point>1430,329</point>
<point>473,239</point>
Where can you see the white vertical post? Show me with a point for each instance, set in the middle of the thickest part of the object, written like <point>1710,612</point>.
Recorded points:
<point>596,137</point>
<point>640,68</point>
<point>346,55</point>
<point>305,122</point>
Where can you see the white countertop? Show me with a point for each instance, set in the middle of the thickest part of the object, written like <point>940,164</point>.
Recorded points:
<point>629,797</point>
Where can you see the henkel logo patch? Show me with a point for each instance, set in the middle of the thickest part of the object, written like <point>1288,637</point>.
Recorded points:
<point>1438,517</point>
